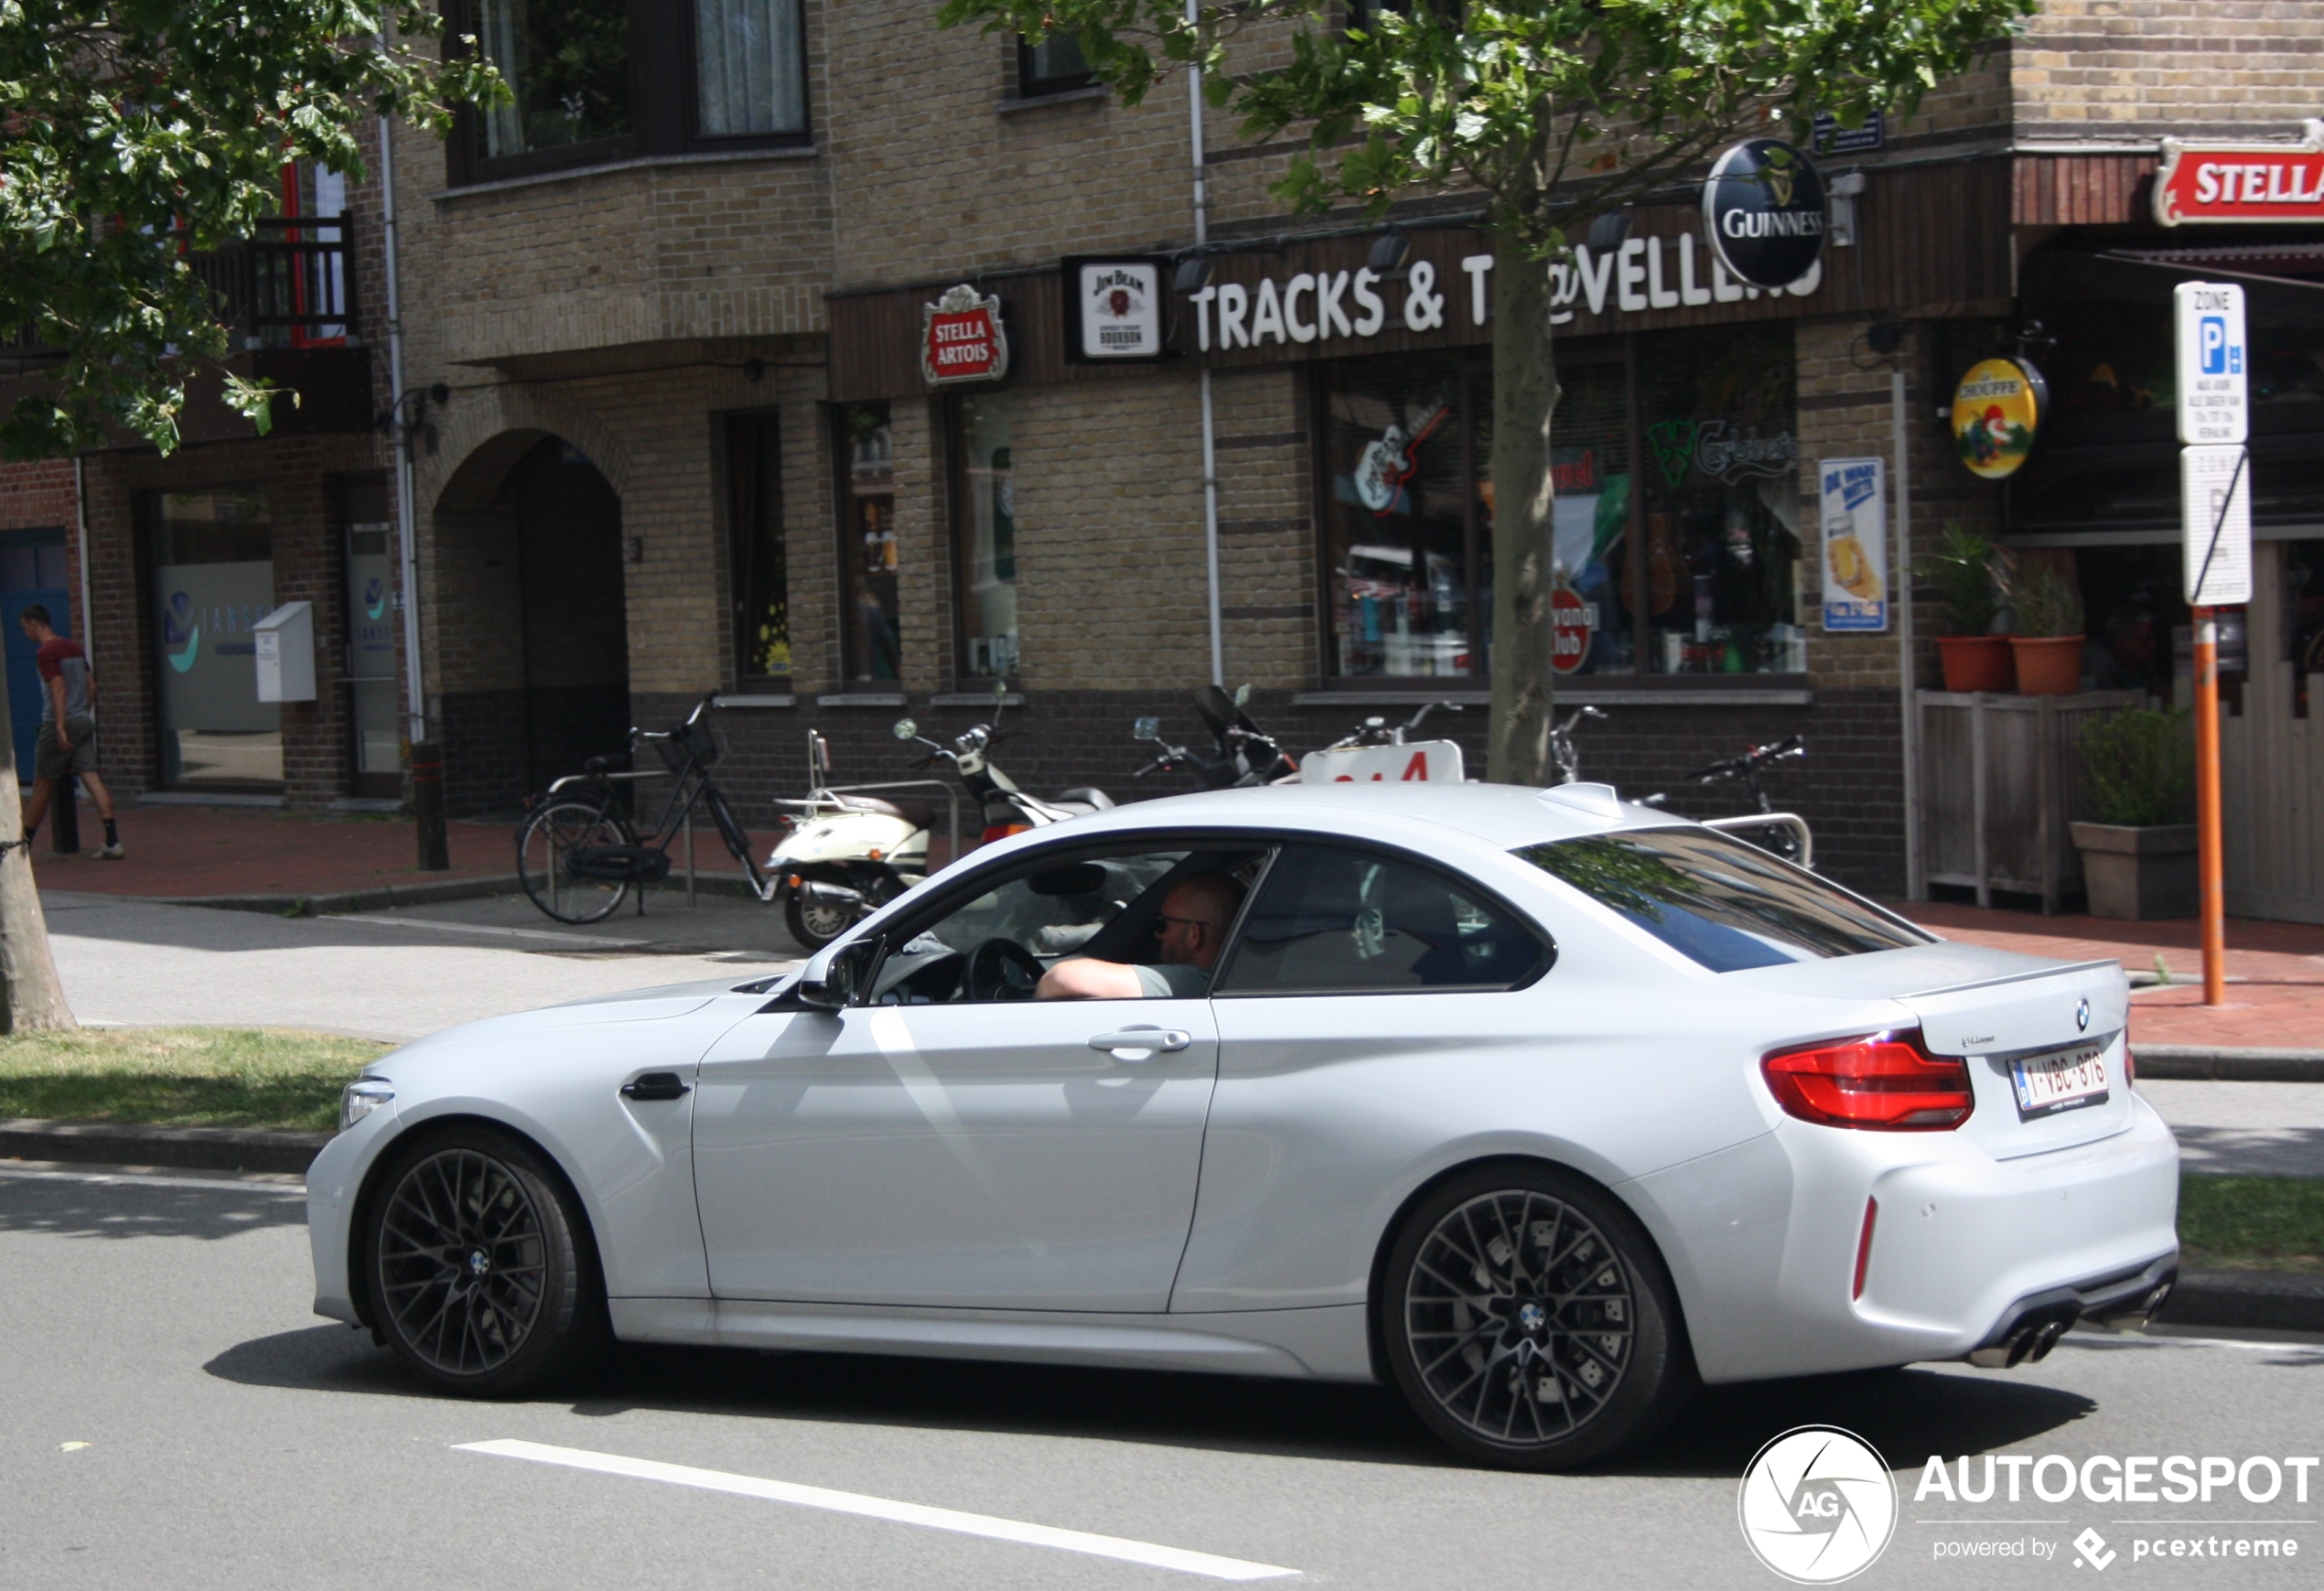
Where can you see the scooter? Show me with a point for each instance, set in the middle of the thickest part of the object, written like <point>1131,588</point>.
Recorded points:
<point>846,855</point>
<point>1010,808</point>
<point>1247,755</point>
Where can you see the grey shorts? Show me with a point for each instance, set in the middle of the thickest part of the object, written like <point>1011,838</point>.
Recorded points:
<point>50,761</point>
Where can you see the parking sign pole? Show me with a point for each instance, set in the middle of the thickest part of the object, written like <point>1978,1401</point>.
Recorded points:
<point>2215,514</point>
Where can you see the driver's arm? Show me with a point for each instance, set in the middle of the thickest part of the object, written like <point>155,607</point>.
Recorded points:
<point>1088,978</point>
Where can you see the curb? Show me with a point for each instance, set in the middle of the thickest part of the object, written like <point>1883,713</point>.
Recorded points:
<point>390,895</point>
<point>133,1144</point>
<point>2229,1065</point>
<point>2265,1300</point>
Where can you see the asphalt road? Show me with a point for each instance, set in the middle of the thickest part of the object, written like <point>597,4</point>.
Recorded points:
<point>170,1414</point>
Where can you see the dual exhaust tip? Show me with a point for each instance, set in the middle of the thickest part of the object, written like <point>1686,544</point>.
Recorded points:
<point>2034,1329</point>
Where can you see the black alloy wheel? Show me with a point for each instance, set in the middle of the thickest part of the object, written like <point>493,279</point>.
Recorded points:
<point>1530,1322</point>
<point>482,1277</point>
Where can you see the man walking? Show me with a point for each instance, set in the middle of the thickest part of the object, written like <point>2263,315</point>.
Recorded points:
<point>67,740</point>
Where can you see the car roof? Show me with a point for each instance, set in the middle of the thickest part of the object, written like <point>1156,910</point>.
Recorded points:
<point>1502,816</point>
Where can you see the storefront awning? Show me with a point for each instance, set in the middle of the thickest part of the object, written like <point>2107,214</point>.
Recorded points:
<point>2131,278</point>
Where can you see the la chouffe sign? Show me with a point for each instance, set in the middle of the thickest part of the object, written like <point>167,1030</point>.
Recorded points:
<point>962,339</point>
<point>2242,183</point>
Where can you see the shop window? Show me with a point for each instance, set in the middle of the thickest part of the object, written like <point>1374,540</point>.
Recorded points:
<point>1717,571</point>
<point>757,557</point>
<point>2304,621</point>
<point>211,554</point>
<point>1054,65</point>
<point>750,75</point>
<point>984,521</point>
<point>869,630</point>
<point>567,67</point>
<point>1405,512</point>
<point>1590,473</point>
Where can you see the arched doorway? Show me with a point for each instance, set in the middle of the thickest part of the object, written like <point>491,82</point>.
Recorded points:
<point>533,648</point>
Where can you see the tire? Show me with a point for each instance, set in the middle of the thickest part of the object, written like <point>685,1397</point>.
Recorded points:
<point>482,1275</point>
<point>552,832</point>
<point>814,926</point>
<point>1524,1356</point>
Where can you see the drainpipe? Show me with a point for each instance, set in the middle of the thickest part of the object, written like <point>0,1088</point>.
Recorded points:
<point>1915,886</point>
<point>407,535</point>
<point>81,529</point>
<point>1210,434</point>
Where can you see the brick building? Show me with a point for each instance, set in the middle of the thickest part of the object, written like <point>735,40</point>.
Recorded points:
<point>676,301</point>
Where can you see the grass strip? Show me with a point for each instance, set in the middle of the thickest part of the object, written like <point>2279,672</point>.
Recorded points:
<point>2252,1223</point>
<point>182,1077</point>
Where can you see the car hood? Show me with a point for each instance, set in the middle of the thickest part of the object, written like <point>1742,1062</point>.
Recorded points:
<point>658,1004</point>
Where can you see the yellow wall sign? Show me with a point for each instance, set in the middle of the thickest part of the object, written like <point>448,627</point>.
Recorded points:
<point>1997,409</point>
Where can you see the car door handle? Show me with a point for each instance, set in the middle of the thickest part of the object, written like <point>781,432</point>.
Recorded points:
<point>1140,1043</point>
<point>655,1085</point>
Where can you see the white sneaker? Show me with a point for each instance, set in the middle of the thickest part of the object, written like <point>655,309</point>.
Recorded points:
<point>112,852</point>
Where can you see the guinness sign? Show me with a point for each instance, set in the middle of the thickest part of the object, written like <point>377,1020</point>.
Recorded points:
<point>1763,208</point>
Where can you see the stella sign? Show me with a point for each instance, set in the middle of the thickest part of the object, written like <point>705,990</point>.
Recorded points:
<point>2242,183</point>
<point>963,339</point>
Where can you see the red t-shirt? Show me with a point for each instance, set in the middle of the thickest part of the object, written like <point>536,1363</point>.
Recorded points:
<point>59,657</point>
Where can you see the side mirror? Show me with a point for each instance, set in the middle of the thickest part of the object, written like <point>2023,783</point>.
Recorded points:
<point>1148,728</point>
<point>906,729</point>
<point>844,979</point>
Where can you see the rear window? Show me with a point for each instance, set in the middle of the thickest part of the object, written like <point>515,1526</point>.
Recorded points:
<point>1726,904</point>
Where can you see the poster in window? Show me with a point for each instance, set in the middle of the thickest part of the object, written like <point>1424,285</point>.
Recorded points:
<point>1854,500</point>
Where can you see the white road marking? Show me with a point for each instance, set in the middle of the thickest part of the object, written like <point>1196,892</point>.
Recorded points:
<point>491,930</point>
<point>880,1507</point>
<point>144,1179</point>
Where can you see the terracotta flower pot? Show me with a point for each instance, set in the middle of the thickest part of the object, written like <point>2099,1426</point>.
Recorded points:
<point>2047,665</point>
<point>1977,662</point>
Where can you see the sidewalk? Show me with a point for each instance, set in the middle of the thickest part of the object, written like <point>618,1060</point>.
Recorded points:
<point>2275,971</point>
<point>196,852</point>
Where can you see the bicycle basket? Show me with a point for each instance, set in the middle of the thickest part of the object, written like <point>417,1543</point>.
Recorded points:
<point>697,743</point>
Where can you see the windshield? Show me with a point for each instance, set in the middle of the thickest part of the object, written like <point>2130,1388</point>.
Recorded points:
<point>1725,903</point>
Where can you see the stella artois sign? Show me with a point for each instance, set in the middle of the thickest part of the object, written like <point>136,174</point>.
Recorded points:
<point>2242,183</point>
<point>963,339</point>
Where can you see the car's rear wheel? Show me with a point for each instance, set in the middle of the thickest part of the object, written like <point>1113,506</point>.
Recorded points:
<point>481,1274</point>
<point>1530,1322</point>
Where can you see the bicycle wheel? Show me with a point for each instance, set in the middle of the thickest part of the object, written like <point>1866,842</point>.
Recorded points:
<point>545,843</point>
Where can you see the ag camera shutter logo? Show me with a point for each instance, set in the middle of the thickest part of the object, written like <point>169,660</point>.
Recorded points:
<point>1817,1505</point>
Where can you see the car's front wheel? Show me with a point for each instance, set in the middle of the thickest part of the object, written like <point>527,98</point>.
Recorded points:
<point>481,1274</point>
<point>1530,1322</point>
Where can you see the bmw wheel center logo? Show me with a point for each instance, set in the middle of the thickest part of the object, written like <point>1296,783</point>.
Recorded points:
<point>1817,1505</point>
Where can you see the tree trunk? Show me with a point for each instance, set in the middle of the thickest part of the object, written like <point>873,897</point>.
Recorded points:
<point>1524,395</point>
<point>34,998</point>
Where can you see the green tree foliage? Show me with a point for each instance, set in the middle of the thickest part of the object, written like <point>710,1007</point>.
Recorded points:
<point>1551,113</point>
<point>133,133</point>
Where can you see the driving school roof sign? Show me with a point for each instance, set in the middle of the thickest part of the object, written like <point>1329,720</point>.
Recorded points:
<point>962,339</point>
<point>2242,183</point>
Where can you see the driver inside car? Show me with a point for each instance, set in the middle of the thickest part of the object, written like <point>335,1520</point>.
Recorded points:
<point>1192,926</point>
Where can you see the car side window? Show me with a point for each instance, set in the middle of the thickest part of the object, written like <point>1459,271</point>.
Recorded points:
<point>1333,919</point>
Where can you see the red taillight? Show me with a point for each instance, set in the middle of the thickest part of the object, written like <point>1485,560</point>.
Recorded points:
<point>1885,1081</point>
<point>1863,1246</point>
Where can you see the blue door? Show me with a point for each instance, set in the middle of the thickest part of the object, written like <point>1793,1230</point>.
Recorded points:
<point>32,569</point>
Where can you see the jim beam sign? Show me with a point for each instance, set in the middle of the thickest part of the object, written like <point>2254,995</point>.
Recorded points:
<point>1113,310</point>
<point>962,339</point>
<point>2242,183</point>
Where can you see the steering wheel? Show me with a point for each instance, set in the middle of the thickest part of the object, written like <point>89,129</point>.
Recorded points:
<point>1001,969</point>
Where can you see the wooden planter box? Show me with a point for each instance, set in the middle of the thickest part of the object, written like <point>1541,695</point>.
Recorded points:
<point>2138,874</point>
<point>2000,782</point>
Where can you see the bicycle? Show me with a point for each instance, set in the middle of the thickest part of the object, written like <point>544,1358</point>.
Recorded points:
<point>1792,841</point>
<point>578,854</point>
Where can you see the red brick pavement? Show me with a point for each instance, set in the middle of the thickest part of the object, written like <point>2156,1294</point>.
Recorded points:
<point>177,852</point>
<point>2274,970</point>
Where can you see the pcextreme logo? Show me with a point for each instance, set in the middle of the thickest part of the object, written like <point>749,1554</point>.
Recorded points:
<point>1817,1505</point>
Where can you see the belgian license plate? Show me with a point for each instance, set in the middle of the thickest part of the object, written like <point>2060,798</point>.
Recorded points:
<point>2064,1080</point>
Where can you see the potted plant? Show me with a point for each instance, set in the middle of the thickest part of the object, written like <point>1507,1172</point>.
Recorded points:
<point>2047,641</point>
<point>1961,570</point>
<point>2138,857</point>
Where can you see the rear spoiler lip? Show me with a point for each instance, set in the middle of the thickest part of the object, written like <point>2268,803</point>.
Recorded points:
<point>2035,975</point>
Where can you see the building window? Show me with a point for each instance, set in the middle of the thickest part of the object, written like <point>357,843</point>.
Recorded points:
<point>759,559</point>
<point>750,74</point>
<point>1405,516</point>
<point>211,554</point>
<point>1721,529</point>
<point>984,517</point>
<point>870,633</point>
<point>567,67</point>
<point>1054,65</point>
